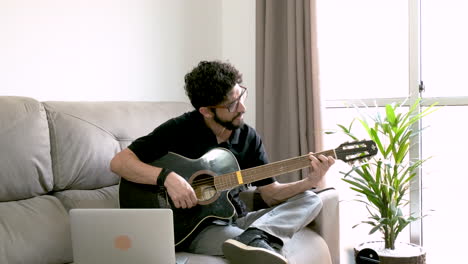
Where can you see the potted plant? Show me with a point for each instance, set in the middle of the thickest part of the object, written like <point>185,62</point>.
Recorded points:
<point>382,183</point>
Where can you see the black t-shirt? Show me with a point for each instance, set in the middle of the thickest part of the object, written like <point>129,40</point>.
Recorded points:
<point>188,135</point>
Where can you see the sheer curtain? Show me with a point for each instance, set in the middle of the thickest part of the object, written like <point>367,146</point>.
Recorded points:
<point>288,103</point>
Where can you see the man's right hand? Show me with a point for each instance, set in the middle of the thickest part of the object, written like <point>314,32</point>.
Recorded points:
<point>180,191</point>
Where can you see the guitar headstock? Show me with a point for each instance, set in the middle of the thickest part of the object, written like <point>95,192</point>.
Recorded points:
<point>357,150</point>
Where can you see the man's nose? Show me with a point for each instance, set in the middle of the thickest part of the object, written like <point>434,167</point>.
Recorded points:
<point>241,107</point>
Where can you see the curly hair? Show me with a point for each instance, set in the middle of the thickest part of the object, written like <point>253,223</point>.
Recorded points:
<point>209,83</point>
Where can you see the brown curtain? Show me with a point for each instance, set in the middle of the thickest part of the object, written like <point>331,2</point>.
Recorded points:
<point>287,99</point>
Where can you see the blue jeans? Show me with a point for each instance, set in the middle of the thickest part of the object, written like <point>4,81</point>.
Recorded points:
<point>281,221</point>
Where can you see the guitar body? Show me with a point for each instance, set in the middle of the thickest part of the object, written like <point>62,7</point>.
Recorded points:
<point>215,205</point>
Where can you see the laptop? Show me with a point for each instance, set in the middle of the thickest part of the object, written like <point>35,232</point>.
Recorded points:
<point>121,236</point>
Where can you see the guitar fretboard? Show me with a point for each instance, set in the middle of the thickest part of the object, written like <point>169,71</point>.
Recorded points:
<point>234,179</point>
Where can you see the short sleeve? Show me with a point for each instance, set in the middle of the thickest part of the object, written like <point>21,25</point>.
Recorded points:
<point>156,144</point>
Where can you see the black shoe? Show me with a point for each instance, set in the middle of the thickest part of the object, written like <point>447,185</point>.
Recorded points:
<point>252,246</point>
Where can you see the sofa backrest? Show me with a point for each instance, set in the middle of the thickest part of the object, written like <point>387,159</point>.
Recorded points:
<point>25,163</point>
<point>54,146</point>
<point>85,136</point>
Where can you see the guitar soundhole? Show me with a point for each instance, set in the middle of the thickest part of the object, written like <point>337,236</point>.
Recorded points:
<point>204,187</point>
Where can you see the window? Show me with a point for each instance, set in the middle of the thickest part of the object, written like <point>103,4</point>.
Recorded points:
<point>377,52</point>
<point>363,48</point>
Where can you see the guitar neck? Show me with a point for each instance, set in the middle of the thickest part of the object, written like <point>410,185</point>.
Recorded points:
<point>234,179</point>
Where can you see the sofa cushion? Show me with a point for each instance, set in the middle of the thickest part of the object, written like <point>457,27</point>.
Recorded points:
<point>107,197</point>
<point>189,258</point>
<point>85,136</point>
<point>25,162</point>
<point>306,246</point>
<point>35,230</point>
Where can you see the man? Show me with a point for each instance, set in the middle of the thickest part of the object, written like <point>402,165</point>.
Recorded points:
<point>215,91</point>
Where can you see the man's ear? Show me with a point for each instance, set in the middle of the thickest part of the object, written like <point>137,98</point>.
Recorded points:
<point>206,112</point>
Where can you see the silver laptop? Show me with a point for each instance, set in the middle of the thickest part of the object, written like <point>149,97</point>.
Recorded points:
<point>121,236</point>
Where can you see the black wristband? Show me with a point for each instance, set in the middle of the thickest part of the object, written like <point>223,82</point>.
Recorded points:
<point>162,177</point>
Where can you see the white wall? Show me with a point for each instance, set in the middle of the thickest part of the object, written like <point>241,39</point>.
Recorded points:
<point>120,49</point>
<point>238,37</point>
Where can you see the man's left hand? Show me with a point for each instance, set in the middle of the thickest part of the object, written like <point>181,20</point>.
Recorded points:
<point>319,167</point>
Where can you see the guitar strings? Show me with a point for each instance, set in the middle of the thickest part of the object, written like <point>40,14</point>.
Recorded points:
<point>292,162</point>
<point>260,172</point>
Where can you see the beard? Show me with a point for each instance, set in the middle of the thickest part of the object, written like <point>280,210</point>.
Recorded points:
<point>228,124</point>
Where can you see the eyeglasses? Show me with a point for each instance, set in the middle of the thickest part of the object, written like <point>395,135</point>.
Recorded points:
<point>232,106</point>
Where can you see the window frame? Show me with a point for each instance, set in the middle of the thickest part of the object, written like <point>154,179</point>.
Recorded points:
<point>415,91</point>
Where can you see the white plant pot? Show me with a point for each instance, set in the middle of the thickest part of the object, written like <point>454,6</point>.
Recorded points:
<point>404,253</point>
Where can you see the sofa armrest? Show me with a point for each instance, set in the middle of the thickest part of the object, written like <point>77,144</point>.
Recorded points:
<point>326,224</point>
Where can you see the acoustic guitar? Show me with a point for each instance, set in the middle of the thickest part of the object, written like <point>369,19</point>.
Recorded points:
<point>212,176</point>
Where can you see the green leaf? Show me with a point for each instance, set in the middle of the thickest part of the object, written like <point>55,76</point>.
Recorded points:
<point>375,228</point>
<point>347,132</point>
<point>375,137</point>
<point>390,115</point>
